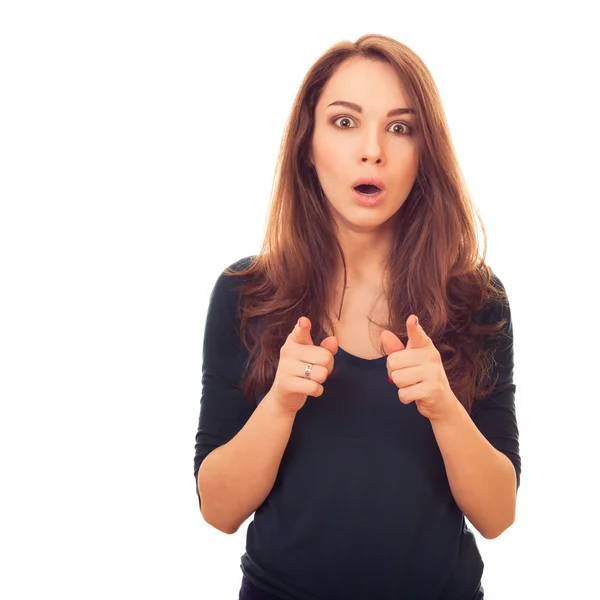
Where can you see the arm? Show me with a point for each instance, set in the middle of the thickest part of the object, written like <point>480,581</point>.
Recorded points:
<point>481,450</point>
<point>233,430</point>
<point>482,479</point>
<point>234,479</point>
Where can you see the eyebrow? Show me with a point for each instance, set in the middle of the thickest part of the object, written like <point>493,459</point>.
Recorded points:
<point>357,108</point>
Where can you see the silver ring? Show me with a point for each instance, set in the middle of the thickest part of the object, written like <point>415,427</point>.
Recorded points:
<point>307,371</point>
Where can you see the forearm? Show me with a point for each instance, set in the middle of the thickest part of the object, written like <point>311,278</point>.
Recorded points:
<point>234,479</point>
<point>482,479</point>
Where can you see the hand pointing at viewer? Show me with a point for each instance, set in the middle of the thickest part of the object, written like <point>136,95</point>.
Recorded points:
<point>290,387</point>
<point>418,371</point>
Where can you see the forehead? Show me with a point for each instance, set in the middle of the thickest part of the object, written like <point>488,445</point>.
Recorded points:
<point>372,84</point>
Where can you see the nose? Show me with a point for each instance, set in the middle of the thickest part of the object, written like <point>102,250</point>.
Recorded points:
<point>372,151</point>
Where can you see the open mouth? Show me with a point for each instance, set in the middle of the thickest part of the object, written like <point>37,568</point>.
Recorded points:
<point>367,189</point>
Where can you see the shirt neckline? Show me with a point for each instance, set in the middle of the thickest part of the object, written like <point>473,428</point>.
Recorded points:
<point>357,360</point>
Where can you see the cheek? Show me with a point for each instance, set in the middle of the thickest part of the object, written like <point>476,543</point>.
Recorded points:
<point>333,149</point>
<point>328,154</point>
<point>409,165</point>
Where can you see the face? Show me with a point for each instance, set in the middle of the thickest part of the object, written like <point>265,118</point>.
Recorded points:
<point>350,142</point>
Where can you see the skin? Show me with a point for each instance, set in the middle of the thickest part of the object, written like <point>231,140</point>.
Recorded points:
<point>348,144</point>
<point>482,479</point>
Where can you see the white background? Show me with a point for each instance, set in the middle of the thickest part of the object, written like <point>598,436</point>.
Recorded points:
<point>137,148</point>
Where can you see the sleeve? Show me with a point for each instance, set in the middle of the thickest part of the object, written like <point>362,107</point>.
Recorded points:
<point>223,407</point>
<point>495,415</point>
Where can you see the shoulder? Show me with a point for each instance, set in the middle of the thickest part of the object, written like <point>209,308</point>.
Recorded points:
<point>499,339</point>
<point>227,284</point>
<point>222,318</point>
<point>496,307</point>
<point>242,264</point>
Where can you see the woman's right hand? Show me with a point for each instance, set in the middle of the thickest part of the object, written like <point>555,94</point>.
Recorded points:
<point>290,388</point>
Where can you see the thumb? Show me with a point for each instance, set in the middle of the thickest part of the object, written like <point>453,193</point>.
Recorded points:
<point>331,344</point>
<point>391,342</point>
<point>301,332</point>
<point>417,338</point>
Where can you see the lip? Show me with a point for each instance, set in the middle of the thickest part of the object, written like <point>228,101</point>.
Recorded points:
<point>369,181</point>
<point>368,201</point>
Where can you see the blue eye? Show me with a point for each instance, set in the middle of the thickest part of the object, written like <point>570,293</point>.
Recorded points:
<point>406,129</point>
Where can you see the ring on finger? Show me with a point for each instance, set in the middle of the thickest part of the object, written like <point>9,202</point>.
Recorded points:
<point>307,371</point>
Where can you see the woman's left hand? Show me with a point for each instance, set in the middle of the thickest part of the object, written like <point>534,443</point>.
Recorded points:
<point>418,371</point>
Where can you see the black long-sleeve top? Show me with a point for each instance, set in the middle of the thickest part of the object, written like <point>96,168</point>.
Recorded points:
<point>361,508</point>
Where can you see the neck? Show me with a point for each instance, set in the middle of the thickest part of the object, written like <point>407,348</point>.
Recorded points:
<point>366,255</point>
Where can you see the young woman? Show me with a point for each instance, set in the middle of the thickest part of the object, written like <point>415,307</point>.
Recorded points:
<point>359,438</point>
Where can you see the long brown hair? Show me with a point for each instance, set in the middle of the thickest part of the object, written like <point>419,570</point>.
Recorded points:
<point>434,267</point>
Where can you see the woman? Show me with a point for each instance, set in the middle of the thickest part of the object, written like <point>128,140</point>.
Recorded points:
<point>360,439</point>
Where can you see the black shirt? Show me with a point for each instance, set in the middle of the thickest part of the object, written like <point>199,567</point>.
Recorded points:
<point>361,508</point>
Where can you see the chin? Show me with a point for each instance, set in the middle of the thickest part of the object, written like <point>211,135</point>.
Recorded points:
<point>365,223</point>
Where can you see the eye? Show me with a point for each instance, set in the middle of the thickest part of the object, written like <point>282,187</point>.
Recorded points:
<point>406,129</point>
<point>403,128</point>
<point>343,119</point>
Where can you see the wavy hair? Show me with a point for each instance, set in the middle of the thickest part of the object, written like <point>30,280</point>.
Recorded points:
<point>434,268</point>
